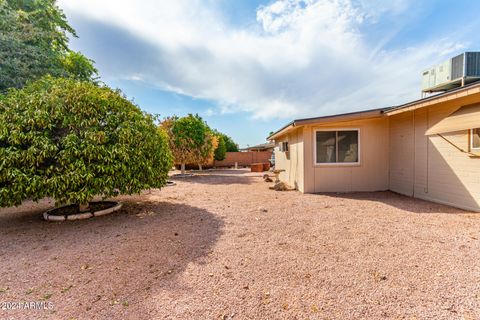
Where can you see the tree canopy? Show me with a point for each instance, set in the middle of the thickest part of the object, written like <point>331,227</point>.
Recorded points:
<point>187,135</point>
<point>73,140</point>
<point>206,153</point>
<point>192,141</point>
<point>34,43</point>
<point>79,67</point>
<point>230,145</point>
<point>221,150</point>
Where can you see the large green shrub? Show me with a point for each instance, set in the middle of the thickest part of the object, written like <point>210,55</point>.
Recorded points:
<point>73,140</point>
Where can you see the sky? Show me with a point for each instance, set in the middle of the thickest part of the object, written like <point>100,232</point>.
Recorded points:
<point>249,67</point>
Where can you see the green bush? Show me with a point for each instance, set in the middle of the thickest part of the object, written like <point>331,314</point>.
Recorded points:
<point>73,140</point>
<point>230,145</point>
<point>221,150</point>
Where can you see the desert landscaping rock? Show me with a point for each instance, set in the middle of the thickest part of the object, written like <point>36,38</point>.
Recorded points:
<point>311,256</point>
<point>281,186</point>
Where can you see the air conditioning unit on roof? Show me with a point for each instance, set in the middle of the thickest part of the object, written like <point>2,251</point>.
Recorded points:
<point>453,73</point>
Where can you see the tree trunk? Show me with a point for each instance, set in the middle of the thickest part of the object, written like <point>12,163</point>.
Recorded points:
<point>183,168</point>
<point>200,167</point>
<point>84,207</point>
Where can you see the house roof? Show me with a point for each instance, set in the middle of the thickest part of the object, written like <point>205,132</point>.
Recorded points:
<point>268,145</point>
<point>468,89</point>
<point>372,113</point>
<point>365,114</point>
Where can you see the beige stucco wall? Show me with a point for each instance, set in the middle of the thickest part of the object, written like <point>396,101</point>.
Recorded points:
<point>429,167</point>
<point>291,162</point>
<point>395,154</point>
<point>370,175</point>
<point>401,153</point>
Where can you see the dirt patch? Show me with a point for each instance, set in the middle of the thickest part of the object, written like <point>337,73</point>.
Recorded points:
<point>222,245</point>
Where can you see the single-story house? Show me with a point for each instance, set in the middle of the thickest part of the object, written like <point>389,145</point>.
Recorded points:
<point>428,149</point>
<point>269,146</point>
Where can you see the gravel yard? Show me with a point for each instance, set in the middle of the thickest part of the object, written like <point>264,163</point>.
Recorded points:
<point>221,245</point>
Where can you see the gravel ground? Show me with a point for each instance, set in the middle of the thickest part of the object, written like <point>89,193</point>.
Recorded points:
<point>222,245</point>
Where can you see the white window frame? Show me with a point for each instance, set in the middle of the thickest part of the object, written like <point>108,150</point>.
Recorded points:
<point>341,164</point>
<point>471,141</point>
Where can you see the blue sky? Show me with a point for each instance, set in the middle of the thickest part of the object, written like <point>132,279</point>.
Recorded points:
<point>248,67</point>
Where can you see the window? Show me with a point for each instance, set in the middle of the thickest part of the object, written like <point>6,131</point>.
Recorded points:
<point>283,146</point>
<point>475,139</point>
<point>337,146</point>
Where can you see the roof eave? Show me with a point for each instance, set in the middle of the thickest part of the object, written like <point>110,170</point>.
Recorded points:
<point>374,113</point>
<point>435,99</point>
<point>279,132</point>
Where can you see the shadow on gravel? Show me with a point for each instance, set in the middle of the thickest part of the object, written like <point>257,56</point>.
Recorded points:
<point>214,179</point>
<point>103,261</point>
<point>220,177</point>
<point>399,201</point>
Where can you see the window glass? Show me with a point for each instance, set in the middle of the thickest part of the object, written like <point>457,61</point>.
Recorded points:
<point>347,146</point>
<point>326,147</point>
<point>476,138</point>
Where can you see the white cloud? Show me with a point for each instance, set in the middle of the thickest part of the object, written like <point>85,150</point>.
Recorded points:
<point>210,112</point>
<point>305,57</point>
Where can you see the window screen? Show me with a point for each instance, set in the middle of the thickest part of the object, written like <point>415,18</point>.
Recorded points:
<point>337,146</point>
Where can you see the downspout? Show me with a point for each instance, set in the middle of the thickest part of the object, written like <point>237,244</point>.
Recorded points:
<point>389,153</point>
<point>428,154</point>
<point>414,154</point>
<point>290,160</point>
<point>314,140</point>
<point>297,175</point>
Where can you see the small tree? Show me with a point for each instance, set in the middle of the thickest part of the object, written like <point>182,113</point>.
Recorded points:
<point>74,140</point>
<point>187,137</point>
<point>230,144</point>
<point>206,153</point>
<point>221,150</point>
